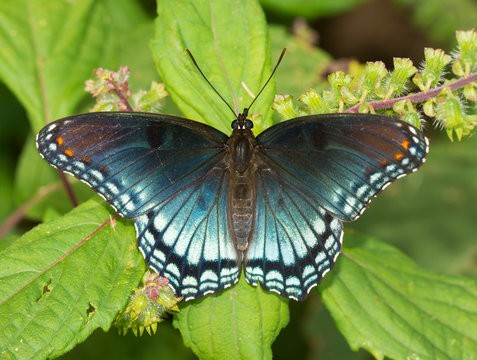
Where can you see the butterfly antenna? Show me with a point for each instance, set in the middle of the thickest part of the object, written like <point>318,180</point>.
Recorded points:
<point>208,82</point>
<point>270,78</point>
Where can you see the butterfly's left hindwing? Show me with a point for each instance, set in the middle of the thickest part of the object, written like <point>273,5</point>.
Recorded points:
<point>187,239</point>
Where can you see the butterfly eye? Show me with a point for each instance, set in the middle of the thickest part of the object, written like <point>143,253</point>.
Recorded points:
<point>234,124</point>
<point>249,124</point>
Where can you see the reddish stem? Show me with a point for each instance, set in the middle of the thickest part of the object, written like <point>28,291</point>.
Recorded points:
<point>416,98</point>
<point>122,98</point>
<point>20,212</point>
<point>68,188</point>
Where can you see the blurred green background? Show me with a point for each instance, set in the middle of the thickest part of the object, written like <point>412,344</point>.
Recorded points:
<point>430,215</point>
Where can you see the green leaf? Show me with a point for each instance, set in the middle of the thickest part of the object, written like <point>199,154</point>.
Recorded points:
<point>383,302</point>
<point>310,9</point>
<point>58,285</point>
<point>230,42</point>
<point>239,323</point>
<point>38,61</point>
<point>50,47</point>
<point>303,66</point>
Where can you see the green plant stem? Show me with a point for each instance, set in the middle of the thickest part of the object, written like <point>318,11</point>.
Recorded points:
<point>416,98</point>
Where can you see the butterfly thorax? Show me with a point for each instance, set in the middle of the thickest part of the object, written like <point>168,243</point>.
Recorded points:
<point>241,200</point>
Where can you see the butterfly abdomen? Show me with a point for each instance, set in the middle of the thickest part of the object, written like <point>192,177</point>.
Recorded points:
<point>242,187</point>
<point>242,211</point>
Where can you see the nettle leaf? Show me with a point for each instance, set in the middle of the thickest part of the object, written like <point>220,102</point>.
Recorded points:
<point>42,61</point>
<point>230,42</point>
<point>383,302</point>
<point>302,67</point>
<point>239,323</point>
<point>57,285</point>
<point>310,9</point>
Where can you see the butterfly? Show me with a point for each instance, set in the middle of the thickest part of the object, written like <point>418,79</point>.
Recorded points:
<point>206,204</point>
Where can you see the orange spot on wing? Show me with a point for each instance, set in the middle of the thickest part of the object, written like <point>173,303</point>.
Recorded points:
<point>86,159</point>
<point>59,141</point>
<point>398,156</point>
<point>69,152</point>
<point>383,162</point>
<point>405,144</point>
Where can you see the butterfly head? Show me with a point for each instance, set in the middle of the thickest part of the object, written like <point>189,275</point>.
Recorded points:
<point>242,123</point>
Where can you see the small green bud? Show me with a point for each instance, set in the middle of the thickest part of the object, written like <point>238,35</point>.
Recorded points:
<point>451,115</point>
<point>470,93</point>
<point>458,69</point>
<point>150,100</point>
<point>419,81</point>
<point>348,96</point>
<point>467,49</point>
<point>400,107</point>
<point>413,119</point>
<point>339,78</point>
<point>314,102</point>
<point>403,70</point>
<point>408,113</point>
<point>435,61</point>
<point>283,104</point>
<point>371,81</point>
<point>428,108</point>
<point>168,300</point>
<point>138,304</point>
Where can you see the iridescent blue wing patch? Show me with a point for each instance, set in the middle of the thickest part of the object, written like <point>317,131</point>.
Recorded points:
<point>166,172</point>
<point>187,238</point>
<point>295,240</point>
<point>314,172</point>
